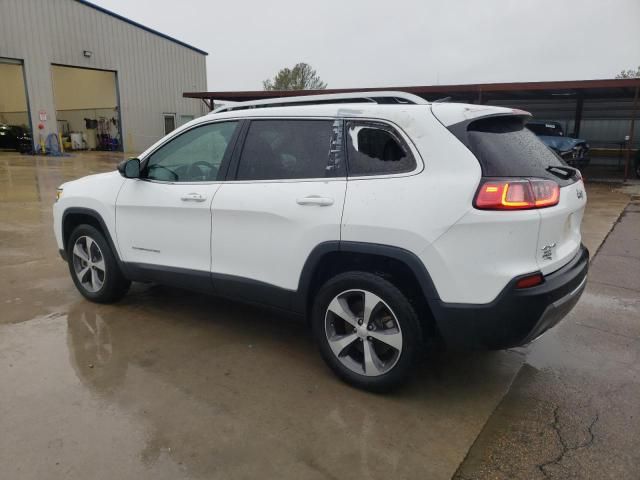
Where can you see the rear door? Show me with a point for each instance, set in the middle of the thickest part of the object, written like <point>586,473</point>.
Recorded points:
<point>284,197</point>
<point>505,148</point>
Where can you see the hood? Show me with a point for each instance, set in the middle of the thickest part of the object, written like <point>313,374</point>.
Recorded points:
<point>561,144</point>
<point>96,178</point>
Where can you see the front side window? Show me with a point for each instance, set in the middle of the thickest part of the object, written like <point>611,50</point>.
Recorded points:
<point>194,156</point>
<point>374,148</point>
<point>290,149</point>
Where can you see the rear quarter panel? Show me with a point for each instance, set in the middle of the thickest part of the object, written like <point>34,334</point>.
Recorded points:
<point>411,211</point>
<point>476,258</point>
<point>560,228</point>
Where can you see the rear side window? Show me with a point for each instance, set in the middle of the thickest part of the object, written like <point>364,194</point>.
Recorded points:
<point>289,149</point>
<point>506,148</point>
<point>374,148</point>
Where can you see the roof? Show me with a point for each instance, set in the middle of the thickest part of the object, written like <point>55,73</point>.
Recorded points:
<point>136,24</point>
<point>607,88</point>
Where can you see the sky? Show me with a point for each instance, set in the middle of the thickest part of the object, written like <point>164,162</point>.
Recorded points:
<point>359,43</point>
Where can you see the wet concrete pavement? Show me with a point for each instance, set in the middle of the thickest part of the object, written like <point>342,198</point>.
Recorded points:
<point>171,384</point>
<point>573,410</point>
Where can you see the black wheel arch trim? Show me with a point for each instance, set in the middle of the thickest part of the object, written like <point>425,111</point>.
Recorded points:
<point>105,230</point>
<point>406,257</point>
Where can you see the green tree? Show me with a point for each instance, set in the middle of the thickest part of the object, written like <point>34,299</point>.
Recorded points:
<point>629,73</point>
<point>300,77</point>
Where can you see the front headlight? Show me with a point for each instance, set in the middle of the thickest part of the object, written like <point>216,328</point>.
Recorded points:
<point>58,193</point>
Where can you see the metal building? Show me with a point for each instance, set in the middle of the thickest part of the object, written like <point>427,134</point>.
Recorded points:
<point>95,77</point>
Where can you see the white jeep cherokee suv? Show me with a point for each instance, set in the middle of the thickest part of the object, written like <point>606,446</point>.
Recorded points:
<point>385,220</point>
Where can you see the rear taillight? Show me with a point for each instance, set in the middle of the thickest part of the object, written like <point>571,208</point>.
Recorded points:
<point>516,194</point>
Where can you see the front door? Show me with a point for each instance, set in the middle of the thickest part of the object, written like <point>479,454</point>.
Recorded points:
<point>285,199</point>
<point>163,219</point>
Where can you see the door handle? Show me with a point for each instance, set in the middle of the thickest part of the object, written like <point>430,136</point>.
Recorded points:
<point>315,200</point>
<point>193,197</point>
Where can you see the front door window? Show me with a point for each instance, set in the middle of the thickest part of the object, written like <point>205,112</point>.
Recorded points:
<point>193,156</point>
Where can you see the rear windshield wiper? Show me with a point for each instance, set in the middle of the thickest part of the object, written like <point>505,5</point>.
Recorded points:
<point>564,173</point>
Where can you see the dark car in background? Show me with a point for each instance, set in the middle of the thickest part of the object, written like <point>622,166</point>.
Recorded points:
<point>14,137</point>
<point>574,151</point>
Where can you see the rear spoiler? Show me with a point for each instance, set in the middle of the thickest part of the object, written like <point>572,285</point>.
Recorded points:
<point>453,113</point>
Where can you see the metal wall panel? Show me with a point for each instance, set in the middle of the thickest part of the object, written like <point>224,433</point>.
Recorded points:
<point>604,122</point>
<point>152,71</point>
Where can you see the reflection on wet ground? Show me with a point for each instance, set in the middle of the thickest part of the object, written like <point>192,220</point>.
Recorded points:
<point>185,386</point>
<point>171,384</point>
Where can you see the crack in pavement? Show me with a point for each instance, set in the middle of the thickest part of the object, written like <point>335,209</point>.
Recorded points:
<point>565,447</point>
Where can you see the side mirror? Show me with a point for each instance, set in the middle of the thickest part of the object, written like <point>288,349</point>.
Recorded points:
<point>130,168</point>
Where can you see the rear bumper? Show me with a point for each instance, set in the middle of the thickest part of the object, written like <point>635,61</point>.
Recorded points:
<point>516,316</point>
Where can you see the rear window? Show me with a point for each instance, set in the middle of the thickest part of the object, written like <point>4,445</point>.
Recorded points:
<point>505,148</point>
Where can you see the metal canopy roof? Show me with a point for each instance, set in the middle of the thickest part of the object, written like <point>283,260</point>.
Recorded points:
<point>474,93</point>
<point>139,25</point>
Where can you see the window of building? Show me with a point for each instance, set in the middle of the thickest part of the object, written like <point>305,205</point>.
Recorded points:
<point>186,119</point>
<point>169,122</point>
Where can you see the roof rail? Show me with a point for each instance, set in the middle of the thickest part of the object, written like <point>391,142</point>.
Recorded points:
<point>380,97</point>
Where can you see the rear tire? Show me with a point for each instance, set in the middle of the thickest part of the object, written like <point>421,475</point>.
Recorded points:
<point>367,331</point>
<point>94,267</point>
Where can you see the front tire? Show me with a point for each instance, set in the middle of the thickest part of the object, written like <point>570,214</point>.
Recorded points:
<point>93,266</point>
<point>367,331</point>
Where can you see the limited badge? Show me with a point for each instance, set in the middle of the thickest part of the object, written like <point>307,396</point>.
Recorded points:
<point>547,251</point>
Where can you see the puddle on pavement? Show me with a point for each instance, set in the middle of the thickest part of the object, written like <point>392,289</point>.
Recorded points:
<point>178,385</point>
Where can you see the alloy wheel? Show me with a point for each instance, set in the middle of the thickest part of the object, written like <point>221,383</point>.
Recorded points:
<point>363,332</point>
<point>88,264</point>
